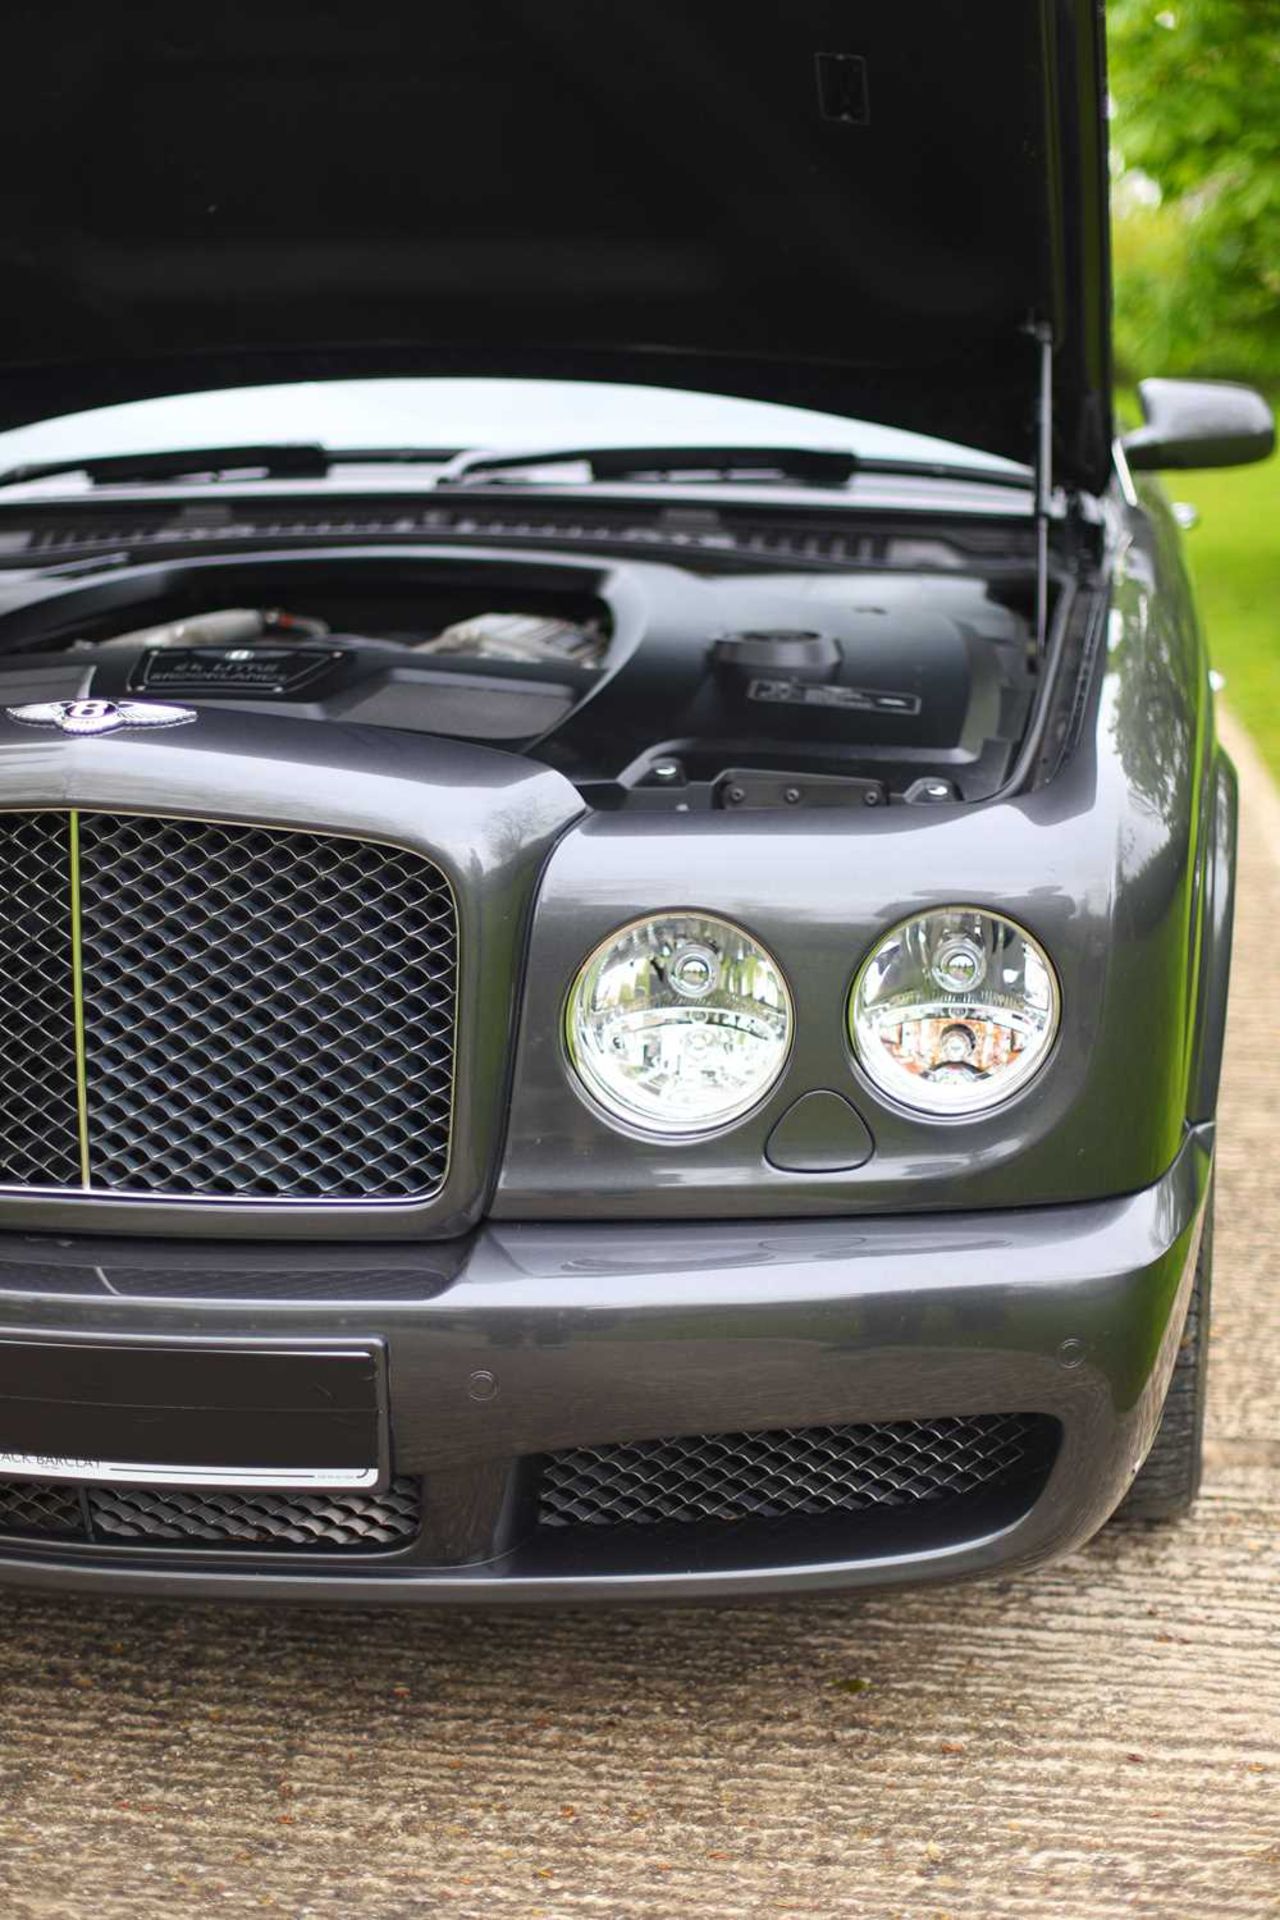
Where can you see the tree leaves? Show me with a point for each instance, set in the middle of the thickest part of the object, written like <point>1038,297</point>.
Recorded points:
<point>1196,146</point>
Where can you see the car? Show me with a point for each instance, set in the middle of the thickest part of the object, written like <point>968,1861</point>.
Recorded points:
<point>615,876</point>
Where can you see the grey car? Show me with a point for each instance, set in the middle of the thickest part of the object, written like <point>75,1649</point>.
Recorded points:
<point>615,878</point>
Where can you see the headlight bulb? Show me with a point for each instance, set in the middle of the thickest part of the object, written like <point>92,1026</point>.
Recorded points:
<point>693,970</point>
<point>959,965</point>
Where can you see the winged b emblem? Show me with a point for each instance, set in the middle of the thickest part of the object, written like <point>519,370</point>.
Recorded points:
<point>99,716</point>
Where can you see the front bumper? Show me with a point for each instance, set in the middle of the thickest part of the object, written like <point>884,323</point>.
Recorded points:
<point>527,1340</point>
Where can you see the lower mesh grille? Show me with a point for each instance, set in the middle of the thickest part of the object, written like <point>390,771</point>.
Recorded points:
<point>40,1506</point>
<point>795,1472</point>
<point>180,1516</point>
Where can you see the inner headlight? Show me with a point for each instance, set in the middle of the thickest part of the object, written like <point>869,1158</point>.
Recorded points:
<point>679,1023</point>
<point>954,1010</point>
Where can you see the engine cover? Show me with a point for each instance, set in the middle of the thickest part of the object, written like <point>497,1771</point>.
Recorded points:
<point>636,680</point>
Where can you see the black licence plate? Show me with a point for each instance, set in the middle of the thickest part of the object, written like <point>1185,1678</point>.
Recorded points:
<point>236,1416</point>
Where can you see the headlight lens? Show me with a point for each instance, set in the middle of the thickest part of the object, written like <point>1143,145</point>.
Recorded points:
<point>679,1023</point>
<point>954,1010</point>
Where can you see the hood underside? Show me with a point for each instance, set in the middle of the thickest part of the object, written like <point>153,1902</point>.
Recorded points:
<point>855,208</point>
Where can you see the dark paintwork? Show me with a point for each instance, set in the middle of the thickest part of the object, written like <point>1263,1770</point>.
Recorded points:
<point>855,209</point>
<point>821,1133</point>
<point>604,1333</point>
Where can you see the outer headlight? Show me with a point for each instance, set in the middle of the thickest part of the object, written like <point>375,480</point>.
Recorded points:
<point>679,1023</point>
<point>954,1010</point>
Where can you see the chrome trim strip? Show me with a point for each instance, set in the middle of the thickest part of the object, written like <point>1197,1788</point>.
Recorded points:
<point>1124,476</point>
<point>40,1466</point>
<point>131,1194</point>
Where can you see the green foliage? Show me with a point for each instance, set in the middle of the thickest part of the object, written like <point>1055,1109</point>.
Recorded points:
<point>1235,561</point>
<point>1196,143</point>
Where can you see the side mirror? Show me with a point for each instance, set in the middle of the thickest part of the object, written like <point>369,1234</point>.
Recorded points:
<point>1199,423</point>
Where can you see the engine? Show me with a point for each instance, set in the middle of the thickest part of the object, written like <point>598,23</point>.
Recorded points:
<point>649,686</point>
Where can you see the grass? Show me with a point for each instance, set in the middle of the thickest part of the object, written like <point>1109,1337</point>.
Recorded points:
<point>1235,559</point>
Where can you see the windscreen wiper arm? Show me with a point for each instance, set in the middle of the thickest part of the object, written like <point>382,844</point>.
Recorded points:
<point>291,461</point>
<point>812,466</point>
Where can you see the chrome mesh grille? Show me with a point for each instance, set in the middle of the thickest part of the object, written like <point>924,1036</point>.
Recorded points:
<point>183,1516</point>
<point>795,1472</point>
<point>39,1139</point>
<point>267,1015</point>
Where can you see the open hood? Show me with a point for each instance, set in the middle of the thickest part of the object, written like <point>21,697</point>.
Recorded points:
<point>857,205</point>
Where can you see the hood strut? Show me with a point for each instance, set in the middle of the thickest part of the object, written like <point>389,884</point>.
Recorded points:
<point>1042,334</point>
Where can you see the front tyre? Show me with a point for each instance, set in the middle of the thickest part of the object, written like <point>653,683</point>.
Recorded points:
<point>1169,1479</point>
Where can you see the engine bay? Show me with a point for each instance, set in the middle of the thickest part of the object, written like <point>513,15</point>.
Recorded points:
<point>649,685</point>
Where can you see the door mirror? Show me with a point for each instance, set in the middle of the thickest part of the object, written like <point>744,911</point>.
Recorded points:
<point>1199,423</point>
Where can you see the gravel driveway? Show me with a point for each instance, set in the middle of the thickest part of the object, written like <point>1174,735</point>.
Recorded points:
<point>1098,1739</point>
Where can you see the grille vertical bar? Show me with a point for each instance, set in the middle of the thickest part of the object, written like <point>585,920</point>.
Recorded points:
<point>77,1000</point>
<point>39,1128</point>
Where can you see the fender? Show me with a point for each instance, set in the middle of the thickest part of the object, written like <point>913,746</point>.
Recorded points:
<point>1216,925</point>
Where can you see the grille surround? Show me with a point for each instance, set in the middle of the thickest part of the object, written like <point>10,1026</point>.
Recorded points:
<point>791,1474</point>
<point>267,1014</point>
<point>208,1518</point>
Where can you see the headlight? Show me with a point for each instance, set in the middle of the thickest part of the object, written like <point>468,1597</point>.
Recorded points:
<point>954,1010</point>
<point>679,1023</point>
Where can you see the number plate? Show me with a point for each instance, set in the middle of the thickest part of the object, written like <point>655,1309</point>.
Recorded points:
<point>212,1416</point>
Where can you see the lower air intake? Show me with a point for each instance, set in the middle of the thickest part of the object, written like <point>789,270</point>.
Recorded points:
<point>795,1472</point>
<point>210,1517</point>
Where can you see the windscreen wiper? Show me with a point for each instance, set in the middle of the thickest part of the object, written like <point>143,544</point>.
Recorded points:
<point>291,461</point>
<point>811,466</point>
